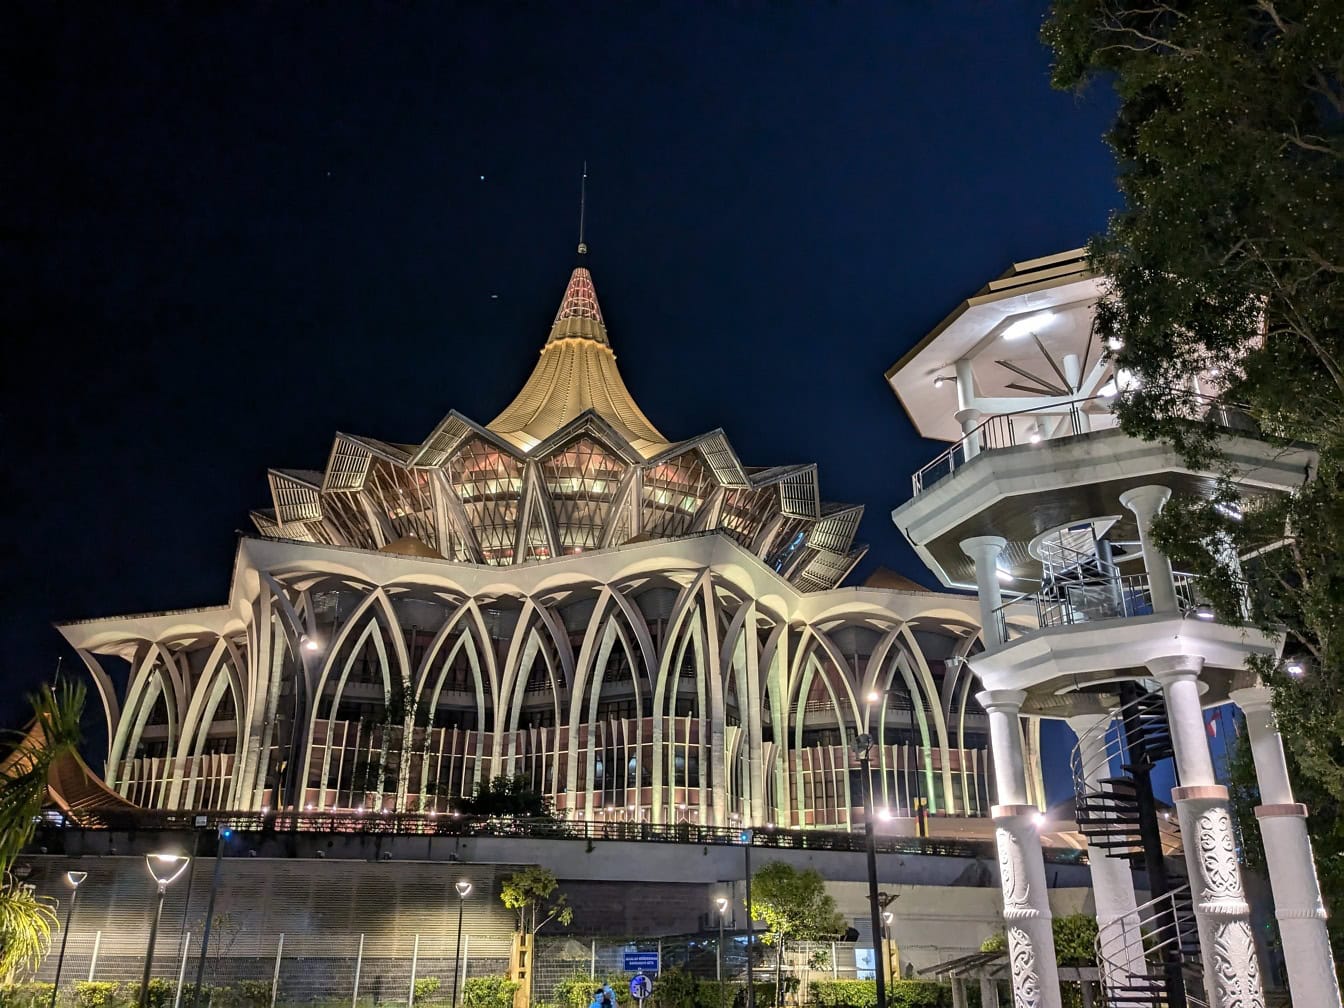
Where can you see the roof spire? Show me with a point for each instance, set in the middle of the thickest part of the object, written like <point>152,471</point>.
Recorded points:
<point>583,200</point>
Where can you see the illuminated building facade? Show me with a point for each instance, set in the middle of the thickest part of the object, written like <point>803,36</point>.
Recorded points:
<point>647,629</point>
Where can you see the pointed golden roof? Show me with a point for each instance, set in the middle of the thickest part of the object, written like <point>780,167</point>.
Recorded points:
<point>577,372</point>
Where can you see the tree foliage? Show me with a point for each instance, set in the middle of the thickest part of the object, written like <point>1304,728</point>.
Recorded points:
<point>513,797</point>
<point>795,907</point>
<point>26,920</point>
<point>1225,302</point>
<point>532,894</point>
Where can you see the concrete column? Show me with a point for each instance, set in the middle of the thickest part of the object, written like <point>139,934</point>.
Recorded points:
<point>968,414</point>
<point>1179,677</point>
<point>1146,502</point>
<point>1226,941</point>
<point>984,552</point>
<point>1288,855</point>
<point>1026,901</point>
<point>989,993</point>
<point>970,424</point>
<point>959,992</point>
<point>1112,878</point>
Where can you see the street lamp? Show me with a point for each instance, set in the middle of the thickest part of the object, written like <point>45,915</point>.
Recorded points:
<point>722,904</point>
<point>165,868</point>
<point>463,891</point>
<point>863,744</point>
<point>74,878</point>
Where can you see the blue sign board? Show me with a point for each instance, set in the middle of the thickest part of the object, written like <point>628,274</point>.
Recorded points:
<point>641,962</point>
<point>640,985</point>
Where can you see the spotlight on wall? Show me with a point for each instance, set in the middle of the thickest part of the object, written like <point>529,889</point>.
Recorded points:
<point>1039,820</point>
<point>1202,612</point>
<point>1295,668</point>
<point>1114,343</point>
<point>308,643</point>
<point>874,696</point>
<point>884,814</point>
<point>1228,510</point>
<point>940,380</point>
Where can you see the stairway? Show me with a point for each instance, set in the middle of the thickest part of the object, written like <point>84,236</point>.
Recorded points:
<point>1116,813</point>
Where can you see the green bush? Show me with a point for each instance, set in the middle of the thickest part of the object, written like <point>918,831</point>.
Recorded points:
<point>577,991</point>
<point>489,992</point>
<point>863,993</point>
<point>426,988</point>
<point>25,995</point>
<point>676,988</point>
<point>99,994</point>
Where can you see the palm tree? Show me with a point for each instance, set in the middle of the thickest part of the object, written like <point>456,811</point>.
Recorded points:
<point>27,920</point>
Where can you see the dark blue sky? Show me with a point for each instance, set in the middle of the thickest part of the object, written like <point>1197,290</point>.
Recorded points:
<point>230,232</point>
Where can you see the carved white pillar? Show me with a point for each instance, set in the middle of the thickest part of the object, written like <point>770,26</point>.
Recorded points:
<point>1146,502</point>
<point>1226,941</point>
<point>1112,878</point>
<point>1288,855</point>
<point>984,552</point>
<point>1026,900</point>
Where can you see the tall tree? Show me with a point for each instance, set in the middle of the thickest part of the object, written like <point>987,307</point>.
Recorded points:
<point>795,907</point>
<point>532,894</point>
<point>1224,305</point>
<point>512,797</point>
<point>26,921</point>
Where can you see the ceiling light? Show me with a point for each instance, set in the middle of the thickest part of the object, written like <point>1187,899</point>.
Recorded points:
<point>1027,326</point>
<point>1295,668</point>
<point>1228,510</point>
<point>1039,820</point>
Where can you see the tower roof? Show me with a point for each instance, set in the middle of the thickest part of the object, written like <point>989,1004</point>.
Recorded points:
<point>577,373</point>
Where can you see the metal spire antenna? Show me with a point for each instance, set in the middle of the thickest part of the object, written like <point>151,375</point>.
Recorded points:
<point>583,201</point>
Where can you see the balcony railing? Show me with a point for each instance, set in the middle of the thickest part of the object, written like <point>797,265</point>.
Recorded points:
<point>1102,598</point>
<point>1058,420</point>
<point>262,824</point>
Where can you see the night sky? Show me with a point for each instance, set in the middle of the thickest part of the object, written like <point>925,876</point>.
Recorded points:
<point>232,230</point>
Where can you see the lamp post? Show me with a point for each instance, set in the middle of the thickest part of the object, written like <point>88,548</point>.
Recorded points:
<point>887,917</point>
<point>722,904</point>
<point>74,878</point>
<point>463,891</point>
<point>165,868</point>
<point>863,744</point>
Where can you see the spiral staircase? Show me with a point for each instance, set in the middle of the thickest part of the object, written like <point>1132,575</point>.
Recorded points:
<point>1150,957</point>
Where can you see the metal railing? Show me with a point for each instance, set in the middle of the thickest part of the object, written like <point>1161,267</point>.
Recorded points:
<point>426,824</point>
<point>1058,420</point>
<point>1158,937</point>
<point>1104,598</point>
<point>1005,430</point>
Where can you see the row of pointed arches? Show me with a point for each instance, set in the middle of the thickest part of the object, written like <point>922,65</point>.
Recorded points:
<point>661,697</point>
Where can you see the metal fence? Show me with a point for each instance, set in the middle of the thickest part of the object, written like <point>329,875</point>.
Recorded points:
<point>355,969</point>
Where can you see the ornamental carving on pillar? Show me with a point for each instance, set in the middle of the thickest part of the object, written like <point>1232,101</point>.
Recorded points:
<point>1013,871</point>
<point>1236,971</point>
<point>1218,857</point>
<point>1022,955</point>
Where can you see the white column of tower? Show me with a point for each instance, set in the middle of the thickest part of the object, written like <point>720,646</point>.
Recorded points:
<point>984,551</point>
<point>1112,877</point>
<point>967,414</point>
<point>1227,944</point>
<point>1146,502</point>
<point>1026,900</point>
<point>1292,868</point>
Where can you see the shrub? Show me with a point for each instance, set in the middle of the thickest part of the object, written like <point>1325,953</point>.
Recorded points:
<point>489,992</point>
<point>676,989</point>
<point>26,995</point>
<point>577,991</point>
<point>863,993</point>
<point>99,994</point>
<point>426,988</point>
